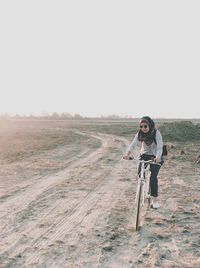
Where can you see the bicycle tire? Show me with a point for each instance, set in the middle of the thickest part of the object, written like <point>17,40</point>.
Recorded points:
<point>137,220</point>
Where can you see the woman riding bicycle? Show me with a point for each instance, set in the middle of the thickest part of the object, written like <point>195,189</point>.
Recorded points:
<point>151,148</point>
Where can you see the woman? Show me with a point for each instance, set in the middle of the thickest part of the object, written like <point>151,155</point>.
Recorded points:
<point>151,148</point>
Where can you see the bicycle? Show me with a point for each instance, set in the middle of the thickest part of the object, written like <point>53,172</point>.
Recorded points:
<point>143,189</point>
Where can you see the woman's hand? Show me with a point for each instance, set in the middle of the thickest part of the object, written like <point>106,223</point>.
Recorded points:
<point>157,160</point>
<point>126,157</point>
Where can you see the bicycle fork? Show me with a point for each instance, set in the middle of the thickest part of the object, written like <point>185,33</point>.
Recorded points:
<point>145,192</point>
<point>140,184</point>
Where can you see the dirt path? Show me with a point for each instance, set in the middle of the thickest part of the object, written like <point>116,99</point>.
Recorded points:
<point>82,216</point>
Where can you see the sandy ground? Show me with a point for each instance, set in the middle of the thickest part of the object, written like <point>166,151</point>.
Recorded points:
<point>82,214</point>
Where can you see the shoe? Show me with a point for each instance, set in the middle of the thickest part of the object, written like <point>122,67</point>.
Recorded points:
<point>155,205</point>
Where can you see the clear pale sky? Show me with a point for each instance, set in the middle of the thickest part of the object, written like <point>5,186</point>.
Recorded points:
<point>100,57</point>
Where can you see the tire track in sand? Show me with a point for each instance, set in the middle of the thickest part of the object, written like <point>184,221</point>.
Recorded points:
<point>106,190</point>
<point>78,213</point>
<point>22,200</point>
<point>19,202</point>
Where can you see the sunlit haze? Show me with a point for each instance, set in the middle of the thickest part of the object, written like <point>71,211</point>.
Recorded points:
<point>94,58</point>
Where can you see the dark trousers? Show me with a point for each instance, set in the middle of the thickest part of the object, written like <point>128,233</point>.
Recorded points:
<point>154,170</point>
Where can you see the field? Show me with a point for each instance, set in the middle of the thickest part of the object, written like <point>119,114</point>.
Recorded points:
<point>67,197</point>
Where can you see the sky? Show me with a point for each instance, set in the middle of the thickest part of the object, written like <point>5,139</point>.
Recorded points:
<point>99,58</point>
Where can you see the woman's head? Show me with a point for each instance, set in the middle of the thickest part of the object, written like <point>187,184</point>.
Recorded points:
<point>146,124</point>
<point>147,130</point>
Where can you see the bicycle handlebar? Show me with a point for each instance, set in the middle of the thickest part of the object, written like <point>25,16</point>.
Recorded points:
<point>144,161</point>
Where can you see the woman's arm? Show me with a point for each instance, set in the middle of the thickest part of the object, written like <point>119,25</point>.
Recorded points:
<point>132,148</point>
<point>159,142</point>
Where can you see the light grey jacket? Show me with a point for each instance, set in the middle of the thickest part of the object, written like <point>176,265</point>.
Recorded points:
<point>152,149</point>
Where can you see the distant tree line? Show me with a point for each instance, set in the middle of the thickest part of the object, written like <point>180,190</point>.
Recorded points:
<point>59,116</point>
<point>53,115</point>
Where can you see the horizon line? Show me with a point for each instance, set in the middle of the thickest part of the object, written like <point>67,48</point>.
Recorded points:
<point>68,116</point>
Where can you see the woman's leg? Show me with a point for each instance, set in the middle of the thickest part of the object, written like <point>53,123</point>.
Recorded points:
<point>154,180</point>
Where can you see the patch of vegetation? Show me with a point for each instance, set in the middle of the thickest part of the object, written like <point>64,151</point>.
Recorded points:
<point>180,131</point>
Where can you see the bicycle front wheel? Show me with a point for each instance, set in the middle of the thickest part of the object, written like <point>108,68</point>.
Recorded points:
<point>138,207</point>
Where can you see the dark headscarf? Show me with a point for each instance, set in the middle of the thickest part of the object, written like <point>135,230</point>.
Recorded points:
<point>148,137</point>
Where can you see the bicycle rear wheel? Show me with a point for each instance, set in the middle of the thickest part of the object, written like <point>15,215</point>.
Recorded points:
<point>138,207</point>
